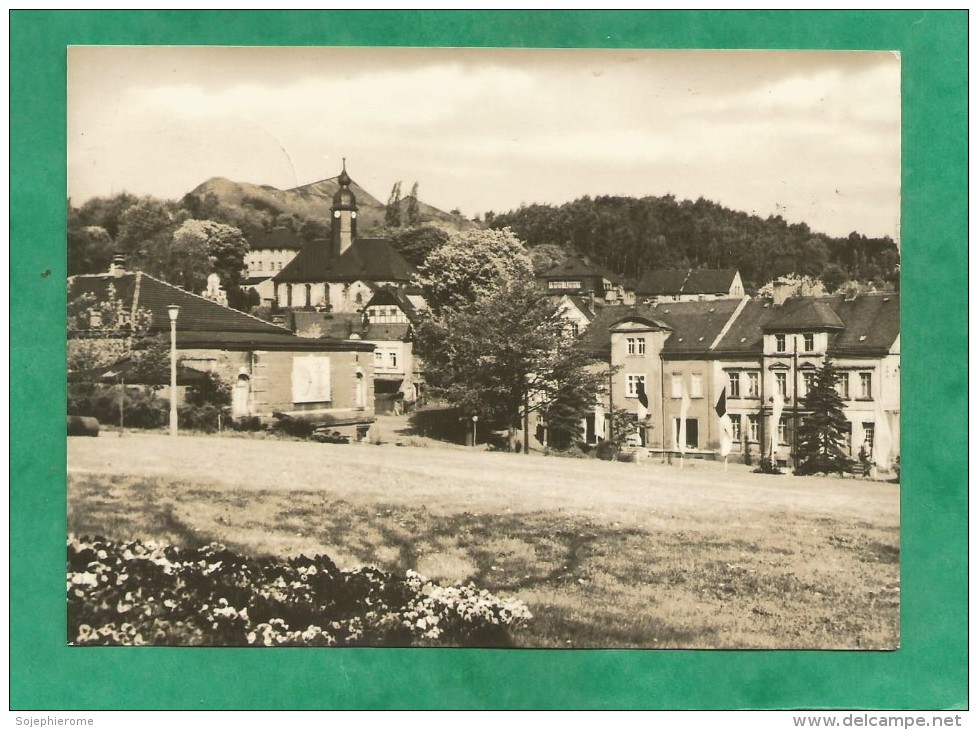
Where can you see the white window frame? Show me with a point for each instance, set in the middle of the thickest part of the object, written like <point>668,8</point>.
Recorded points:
<point>865,385</point>
<point>630,380</point>
<point>677,385</point>
<point>781,382</point>
<point>695,385</point>
<point>780,343</point>
<point>733,380</point>
<point>753,384</point>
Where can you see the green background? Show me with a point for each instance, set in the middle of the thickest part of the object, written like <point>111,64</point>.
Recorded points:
<point>928,672</point>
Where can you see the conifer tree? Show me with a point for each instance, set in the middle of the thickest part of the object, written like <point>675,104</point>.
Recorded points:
<point>821,445</point>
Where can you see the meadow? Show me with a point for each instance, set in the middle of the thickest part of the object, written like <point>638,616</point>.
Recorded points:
<point>604,554</point>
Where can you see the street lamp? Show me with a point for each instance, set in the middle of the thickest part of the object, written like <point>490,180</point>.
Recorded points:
<point>174,311</point>
<point>475,430</point>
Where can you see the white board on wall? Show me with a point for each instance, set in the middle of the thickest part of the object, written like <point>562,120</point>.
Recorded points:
<point>310,379</point>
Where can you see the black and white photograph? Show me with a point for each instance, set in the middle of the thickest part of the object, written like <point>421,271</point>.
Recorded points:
<point>485,348</point>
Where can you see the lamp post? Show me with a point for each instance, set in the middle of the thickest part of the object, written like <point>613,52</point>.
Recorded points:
<point>174,311</point>
<point>475,431</point>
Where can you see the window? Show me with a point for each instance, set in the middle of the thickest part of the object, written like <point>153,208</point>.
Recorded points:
<point>809,342</point>
<point>869,433</point>
<point>564,285</point>
<point>573,330</point>
<point>781,380</point>
<point>752,428</point>
<point>847,436</point>
<point>677,385</point>
<point>783,430</point>
<point>780,344</point>
<point>378,358</point>
<point>866,385</point>
<point>734,382</point>
<point>692,432</point>
<point>696,385</point>
<point>631,345</point>
<point>391,359</point>
<point>632,382</point>
<point>809,379</point>
<point>842,386</point>
<point>735,426</point>
<point>753,385</point>
<point>641,345</point>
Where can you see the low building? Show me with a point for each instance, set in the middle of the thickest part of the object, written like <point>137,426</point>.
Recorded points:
<point>269,368</point>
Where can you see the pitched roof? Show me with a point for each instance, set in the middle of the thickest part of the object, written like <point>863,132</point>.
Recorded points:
<point>200,323</point>
<point>577,268</point>
<point>685,281</point>
<point>695,325</point>
<point>277,238</point>
<point>367,259</point>
<point>387,295</point>
<point>867,325</point>
<point>872,324</point>
<point>197,314</point>
<point>804,313</point>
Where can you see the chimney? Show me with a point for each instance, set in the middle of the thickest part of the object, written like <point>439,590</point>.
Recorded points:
<point>118,265</point>
<point>590,304</point>
<point>782,290</point>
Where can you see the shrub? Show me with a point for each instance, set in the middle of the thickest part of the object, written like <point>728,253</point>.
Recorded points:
<point>209,390</point>
<point>143,408</point>
<point>607,450</point>
<point>247,423</point>
<point>200,417</point>
<point>134,593</point>
<point>767,466</point>
<point>292,426</point>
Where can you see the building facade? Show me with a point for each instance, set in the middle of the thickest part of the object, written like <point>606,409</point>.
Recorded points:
<point>762,355</point>
<point>269,369</point>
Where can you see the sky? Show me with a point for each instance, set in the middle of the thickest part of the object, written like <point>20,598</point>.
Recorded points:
<point>812,136</point>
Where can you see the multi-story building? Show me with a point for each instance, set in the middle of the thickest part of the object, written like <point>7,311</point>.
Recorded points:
<point>755,352</point>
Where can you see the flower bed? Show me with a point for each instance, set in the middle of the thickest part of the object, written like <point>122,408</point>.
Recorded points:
<point>135,593</point>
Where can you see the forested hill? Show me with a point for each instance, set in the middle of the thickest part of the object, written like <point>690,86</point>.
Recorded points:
<point>632,235</point>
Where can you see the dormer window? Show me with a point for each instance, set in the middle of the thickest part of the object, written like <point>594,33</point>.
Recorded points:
<point>809,342</point>
<point>780,343</point>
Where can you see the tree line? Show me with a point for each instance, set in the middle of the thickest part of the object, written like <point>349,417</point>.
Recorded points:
<point>630,236</point>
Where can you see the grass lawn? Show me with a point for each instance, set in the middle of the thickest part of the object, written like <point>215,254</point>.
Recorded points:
<point>604,554</point>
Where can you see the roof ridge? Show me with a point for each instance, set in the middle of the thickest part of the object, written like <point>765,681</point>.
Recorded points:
<point>729,323</point>
<point>205,299</point>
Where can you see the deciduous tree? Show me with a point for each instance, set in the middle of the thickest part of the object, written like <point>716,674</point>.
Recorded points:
<point>471,265</point>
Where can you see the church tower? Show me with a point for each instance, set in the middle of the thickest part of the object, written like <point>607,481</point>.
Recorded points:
<point>344,228</point>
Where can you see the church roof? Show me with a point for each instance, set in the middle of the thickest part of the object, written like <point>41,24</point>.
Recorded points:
<point>367,259</point>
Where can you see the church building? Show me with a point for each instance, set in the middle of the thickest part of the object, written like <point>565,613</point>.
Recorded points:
<point>341,274</point>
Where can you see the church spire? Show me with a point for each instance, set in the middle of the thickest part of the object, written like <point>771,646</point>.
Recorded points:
<point>344,229</point>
